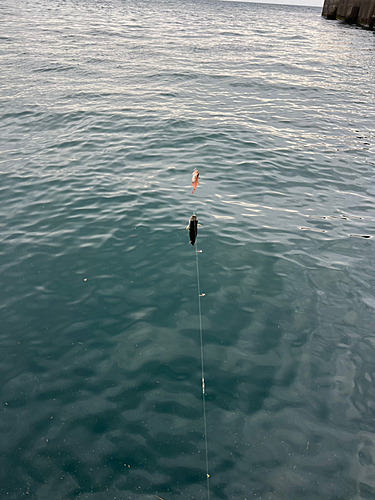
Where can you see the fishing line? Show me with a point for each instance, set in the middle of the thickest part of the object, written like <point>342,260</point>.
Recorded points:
<point>203,383</point>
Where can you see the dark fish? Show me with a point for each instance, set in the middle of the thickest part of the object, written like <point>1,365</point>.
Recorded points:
<point>193,229</point>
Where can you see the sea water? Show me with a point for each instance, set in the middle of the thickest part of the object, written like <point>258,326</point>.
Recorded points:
<point>106,107</point>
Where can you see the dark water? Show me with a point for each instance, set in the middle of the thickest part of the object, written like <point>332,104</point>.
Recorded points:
<point>106,108</point>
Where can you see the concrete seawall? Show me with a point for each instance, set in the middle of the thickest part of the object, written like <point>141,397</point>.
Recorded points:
<point>361,12</point>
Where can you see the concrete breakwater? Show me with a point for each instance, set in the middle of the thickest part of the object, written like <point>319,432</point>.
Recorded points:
<point>361,12</point>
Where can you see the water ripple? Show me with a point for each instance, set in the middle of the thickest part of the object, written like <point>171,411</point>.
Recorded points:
<point>106,109</point>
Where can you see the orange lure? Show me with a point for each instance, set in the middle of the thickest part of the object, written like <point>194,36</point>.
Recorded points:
<point>194,179</point>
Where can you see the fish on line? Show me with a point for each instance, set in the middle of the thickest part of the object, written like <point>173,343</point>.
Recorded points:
<point>193,230</point>
<point>194,179</point>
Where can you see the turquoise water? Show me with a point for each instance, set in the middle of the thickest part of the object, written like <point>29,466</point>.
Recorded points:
<point>105,110</point>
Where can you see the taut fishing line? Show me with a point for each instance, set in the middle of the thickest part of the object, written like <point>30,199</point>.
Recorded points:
<point>193,235</point>
<point>203,383</point>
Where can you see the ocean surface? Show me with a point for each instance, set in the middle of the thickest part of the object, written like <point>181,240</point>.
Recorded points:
<point>106,107</point>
